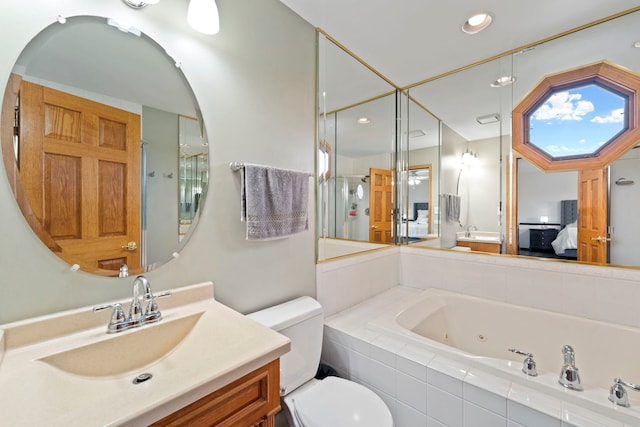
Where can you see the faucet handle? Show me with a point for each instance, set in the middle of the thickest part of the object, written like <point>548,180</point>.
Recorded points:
<point>618,394</point>
<point>152,313</point>
<point>528,365</point>
<point>118,320</point>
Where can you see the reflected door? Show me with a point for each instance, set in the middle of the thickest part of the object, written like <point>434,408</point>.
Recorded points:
<point>380,206</point>
<point>79,165</point>
<point>592,216</point>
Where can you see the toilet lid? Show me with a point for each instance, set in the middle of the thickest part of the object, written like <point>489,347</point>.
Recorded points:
<point>338,402</point>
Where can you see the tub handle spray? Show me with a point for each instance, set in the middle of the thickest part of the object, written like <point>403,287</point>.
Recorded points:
<point>528,365</point>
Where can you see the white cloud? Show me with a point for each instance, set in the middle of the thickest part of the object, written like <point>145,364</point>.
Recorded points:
<point>616,116</point>
<point>564,106</point>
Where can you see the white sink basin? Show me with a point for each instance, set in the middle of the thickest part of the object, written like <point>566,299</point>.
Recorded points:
<point>126,351</point>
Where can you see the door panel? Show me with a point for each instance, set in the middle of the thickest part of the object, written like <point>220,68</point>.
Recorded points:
<point>380,206</point>
<point>80,168</point>
<point>592,215</point>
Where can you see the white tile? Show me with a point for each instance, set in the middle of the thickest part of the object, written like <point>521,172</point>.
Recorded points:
<point>475,416</point>
<point>413,360</point>
<point>446,375</point>
<point>359,367</point>
<point>538,402</point>
<point>577,416</point>
<point>485,399</point>
<point>382,377</point>
<point>406,416</point>
<point>412,392</point>
<point>444,407</point>
<point>432,422</point>
<point>384,349</point>
<point>529,417</point>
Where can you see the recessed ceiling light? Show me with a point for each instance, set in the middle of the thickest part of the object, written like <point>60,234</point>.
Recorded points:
<point>477,23</point>
<point>363,121</point>
<point>416,133</point>
<point>637,44</point>
<point>503,81</point>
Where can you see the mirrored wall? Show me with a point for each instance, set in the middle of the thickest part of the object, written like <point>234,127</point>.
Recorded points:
<point>457,126</point>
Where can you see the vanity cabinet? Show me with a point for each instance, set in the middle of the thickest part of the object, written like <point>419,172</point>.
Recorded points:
<point>493,248</point>
<point>252,400</point>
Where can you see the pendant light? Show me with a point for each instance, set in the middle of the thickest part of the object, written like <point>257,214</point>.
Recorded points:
<point>202,16</point>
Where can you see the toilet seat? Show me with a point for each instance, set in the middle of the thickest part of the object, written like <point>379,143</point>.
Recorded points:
<point>337,402</point>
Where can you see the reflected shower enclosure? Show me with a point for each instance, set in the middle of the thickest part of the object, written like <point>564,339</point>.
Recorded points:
<point>348,207</point>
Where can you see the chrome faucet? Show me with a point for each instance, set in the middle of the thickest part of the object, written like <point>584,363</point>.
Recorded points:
<point>569,376</point>
<point>137,316</point>
<point>468,232</point>
<point>529,365</point>
<point>618,394</point>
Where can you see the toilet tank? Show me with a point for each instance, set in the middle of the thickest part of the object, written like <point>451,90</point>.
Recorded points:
<point>301,320</point>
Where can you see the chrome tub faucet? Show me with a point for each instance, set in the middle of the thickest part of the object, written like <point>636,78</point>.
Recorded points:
<point>569,376</point>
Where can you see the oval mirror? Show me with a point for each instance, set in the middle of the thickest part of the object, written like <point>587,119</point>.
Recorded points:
<point>103,146</point>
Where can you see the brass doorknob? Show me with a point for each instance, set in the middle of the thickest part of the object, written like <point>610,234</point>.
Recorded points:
<point>373,227</point>
<point>601,239</point>
<point>131,246</point>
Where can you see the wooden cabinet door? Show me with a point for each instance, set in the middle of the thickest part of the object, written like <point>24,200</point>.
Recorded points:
<point>79,164</point>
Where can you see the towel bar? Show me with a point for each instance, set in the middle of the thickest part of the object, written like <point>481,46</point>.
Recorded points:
<point>236,166</point>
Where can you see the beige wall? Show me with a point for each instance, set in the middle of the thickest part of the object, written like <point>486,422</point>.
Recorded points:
<point>255,83</point>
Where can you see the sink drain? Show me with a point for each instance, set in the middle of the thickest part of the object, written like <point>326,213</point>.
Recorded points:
<point>142,378</point>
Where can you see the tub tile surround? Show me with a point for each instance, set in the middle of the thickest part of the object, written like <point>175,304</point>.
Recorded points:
<point>457,394</point>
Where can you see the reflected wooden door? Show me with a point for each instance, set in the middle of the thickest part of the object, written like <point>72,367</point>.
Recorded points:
<point>79,164</point>
<point>592,215</point>
<point>380,205</point>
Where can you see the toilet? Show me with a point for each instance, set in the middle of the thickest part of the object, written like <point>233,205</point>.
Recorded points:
<point>310,402</point>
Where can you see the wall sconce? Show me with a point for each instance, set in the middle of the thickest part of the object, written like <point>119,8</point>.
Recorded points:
<point>469,158</point>
<point>202,15</point>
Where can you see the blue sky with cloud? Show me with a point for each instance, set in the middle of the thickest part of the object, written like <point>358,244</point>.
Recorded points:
<point>577,121</point>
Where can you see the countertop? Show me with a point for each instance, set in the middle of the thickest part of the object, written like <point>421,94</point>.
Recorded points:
<point>226,346</point>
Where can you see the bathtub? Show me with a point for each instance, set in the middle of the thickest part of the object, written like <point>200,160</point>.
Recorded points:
<point>477,333</point>
<point>484,330</point>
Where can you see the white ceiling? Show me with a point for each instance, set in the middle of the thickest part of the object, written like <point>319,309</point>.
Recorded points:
<point>411,40</point>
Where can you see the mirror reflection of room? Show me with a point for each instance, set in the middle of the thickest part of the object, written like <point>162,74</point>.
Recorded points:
<point>147,158</point>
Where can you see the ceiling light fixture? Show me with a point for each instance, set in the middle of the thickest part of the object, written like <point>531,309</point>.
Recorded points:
<point>489,118</point>
<point>503,81</point>
<point>637,44</point>
<point>203,17</point>
<point>477,23</point>
<point>363,121</point>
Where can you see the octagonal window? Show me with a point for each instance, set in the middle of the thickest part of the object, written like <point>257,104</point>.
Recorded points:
<point>577,121</point>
